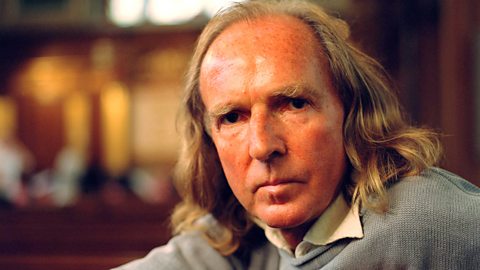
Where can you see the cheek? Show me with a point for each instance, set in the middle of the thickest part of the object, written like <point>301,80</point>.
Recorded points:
<point>234,168</point>
<point>226,155</point>
<point>230,152</point>
<point>326,144</point>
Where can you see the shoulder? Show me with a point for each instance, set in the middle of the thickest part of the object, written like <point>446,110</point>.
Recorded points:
<point>436,209</point>
<point>186,251</point>
<point>434,214</point>
<point>435,202</point>
<point>435,190</point>
<point>189,250</point>
<point>435,195</point>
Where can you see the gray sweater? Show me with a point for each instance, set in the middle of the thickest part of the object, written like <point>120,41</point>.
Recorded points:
<point>433,223</point>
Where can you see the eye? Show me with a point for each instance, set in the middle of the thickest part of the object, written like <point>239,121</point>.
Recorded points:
<point>298,103</point>
<point>230,118</point>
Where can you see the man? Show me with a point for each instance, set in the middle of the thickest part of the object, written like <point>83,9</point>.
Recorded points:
<point>289,128</point>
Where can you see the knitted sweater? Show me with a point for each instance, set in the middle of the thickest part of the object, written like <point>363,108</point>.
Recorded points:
<point>433,223</point>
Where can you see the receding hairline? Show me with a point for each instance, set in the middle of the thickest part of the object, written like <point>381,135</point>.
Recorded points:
<point>299,29</point>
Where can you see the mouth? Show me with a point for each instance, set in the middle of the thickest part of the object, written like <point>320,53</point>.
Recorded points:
<point>277,183</point>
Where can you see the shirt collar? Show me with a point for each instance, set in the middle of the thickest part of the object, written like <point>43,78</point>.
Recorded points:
<point>337,222</point>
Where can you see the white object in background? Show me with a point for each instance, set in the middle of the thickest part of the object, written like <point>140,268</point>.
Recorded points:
<point>173,12</point>
<point>125,13</point>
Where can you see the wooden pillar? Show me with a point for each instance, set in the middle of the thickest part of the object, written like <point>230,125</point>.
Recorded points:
<point>456,86</point>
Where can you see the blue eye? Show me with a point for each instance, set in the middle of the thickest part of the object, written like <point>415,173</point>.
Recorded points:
<point>298,103</point>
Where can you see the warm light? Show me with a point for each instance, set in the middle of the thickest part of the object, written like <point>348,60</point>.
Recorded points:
<point>8,117</point>
<point>213,6</point>
<point>126,13</point>
<point>76,122</point>
<point>115,119</point>
<point>50,78</point>
<point>173,12</point>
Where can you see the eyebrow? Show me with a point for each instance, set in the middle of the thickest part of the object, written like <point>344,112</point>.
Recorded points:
<point>290,91</point>
<point>294,91</point>
<point>220,109</point>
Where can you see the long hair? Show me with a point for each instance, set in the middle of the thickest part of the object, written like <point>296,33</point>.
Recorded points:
<point>380,145</point>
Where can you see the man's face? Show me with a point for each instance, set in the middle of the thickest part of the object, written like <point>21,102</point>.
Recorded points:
<point>275,119</point>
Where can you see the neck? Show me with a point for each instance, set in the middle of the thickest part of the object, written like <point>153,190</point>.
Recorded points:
<point>294,236</point>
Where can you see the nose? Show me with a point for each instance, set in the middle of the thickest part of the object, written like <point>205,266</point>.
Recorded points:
<point>265,138</point>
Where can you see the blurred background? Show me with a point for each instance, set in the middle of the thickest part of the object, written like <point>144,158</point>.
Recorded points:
<point>89,91</point>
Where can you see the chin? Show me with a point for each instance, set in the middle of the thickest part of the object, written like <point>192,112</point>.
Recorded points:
<point>281,220</point>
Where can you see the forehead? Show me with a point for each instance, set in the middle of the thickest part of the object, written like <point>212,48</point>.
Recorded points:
<point>272,35</point>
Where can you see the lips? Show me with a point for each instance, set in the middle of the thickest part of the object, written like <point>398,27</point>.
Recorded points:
<point>277,183</point>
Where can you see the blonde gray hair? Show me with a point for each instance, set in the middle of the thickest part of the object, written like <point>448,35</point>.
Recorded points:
<point>379,143</point>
